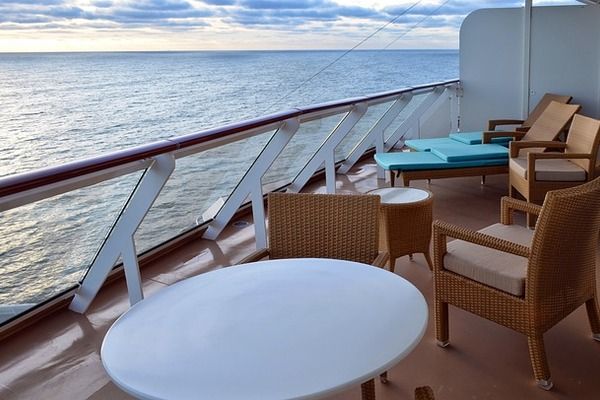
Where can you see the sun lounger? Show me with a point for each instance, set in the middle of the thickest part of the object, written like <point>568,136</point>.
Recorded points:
<point>477,137</point>
<point>444,162</point>
<point>451,158</point>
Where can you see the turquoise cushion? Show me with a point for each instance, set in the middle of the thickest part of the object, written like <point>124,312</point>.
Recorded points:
<point>418,161</point>
<point>471,138</point>
<point>465,152</point>
<point>426,144</point>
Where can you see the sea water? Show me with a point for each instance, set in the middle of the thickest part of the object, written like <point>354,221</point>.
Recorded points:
<point>60,107</point>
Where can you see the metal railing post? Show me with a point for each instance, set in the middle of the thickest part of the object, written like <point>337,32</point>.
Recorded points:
<point>413,119</point>
<point>251,185</point>
<point>375,134</point>
<point>326,153</point>
<point>120,240</point>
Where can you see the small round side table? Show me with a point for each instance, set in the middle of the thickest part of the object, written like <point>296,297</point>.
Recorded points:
<point>405,219</point>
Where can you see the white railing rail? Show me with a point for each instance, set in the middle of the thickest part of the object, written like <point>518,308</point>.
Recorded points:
<point>159,161</point>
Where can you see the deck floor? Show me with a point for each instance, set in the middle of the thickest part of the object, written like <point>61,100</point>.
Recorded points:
<point>58,357</point>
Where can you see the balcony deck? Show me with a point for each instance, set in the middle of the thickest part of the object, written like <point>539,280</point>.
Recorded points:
<point>58,357</point>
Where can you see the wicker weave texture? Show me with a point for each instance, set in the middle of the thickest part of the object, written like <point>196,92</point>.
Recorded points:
<point>560,275</point>
<point>424,393</point>
<point>406,229</point>
<point>323,226</point>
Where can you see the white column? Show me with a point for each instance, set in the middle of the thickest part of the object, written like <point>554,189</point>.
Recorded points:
<point>526,58</point>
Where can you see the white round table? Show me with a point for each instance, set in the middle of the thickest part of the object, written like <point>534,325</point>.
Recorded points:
<point>281,329</point>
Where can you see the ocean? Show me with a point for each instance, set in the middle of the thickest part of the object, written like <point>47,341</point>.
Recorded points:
<point>60,107</point>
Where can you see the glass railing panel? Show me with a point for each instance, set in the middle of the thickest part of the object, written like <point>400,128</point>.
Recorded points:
<point>405,113</point>
<point>48,245</point>
<point>307,140</point>
<point>199,182</point>
<point>362,127</point>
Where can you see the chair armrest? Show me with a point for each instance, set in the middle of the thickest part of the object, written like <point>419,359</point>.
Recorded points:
<point>442,229</point>
<point>381,259</point>
<point>522,129</point>
<point>515,147</point>
<point>256,256</point>
<point>493,123</point>
<point>488,135</point>
<point>559,156</point>
<point>508,205</point>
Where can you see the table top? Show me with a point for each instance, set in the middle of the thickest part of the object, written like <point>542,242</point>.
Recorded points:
<point>401,195</point>
<point>280,329</point>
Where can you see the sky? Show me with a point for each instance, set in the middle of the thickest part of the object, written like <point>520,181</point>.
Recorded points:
<point>158,25</point>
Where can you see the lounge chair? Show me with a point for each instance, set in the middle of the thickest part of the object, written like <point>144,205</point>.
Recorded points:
<point>525,280</point>
<point>458,159</point>
<point>476,137</point>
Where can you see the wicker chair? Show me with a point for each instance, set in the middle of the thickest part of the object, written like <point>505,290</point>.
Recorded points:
<point>577,164</point>
<point>424,393</point>
<point>539,279</point>
<point>324,226</point>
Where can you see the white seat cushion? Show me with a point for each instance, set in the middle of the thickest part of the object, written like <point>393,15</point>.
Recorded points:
<point>550,170</point>
<point>503,271</point>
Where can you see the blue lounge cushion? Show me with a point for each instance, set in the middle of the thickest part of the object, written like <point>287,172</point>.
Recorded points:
<point>472,138</point>
<point>464,152</point>
<point>469,138</point>
<point>426,144</point>
<point>419,161</point>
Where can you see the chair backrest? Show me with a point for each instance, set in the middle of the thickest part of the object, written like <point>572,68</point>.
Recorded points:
<point>543,104</point>
<point>584,137</point>
<point>562,266</point>
<point>323,226</point>
<point>551,122</point>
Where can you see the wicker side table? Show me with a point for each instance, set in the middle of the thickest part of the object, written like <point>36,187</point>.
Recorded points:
<point>405,222</point>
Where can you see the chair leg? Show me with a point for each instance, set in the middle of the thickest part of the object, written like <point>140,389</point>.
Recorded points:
<point>405,181</point>
<point>483,179</point>
<point>368,390</point>
<point>383,378</point>
<point>537,354</point>
<point>442,333</point>
<point>531,220</point>
<point>392,262</point>
<point>428,259</point>
<point>594,316</point>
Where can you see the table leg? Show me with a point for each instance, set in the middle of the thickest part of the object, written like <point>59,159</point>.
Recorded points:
<point>368,390</point>
<point>392,262</point>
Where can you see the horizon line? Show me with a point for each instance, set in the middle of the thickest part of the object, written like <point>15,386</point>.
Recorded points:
<point>213,50</point>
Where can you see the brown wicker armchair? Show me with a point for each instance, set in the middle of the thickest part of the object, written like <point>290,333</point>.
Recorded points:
<point>522,279</point>
<point>534,174</point>
<point>324,226</point>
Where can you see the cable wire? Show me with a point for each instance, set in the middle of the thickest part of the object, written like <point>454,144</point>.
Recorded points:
<point>417,24</point>
<point>288,94</point>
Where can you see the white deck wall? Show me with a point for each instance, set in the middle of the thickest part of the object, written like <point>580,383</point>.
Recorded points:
<point>565,59</point>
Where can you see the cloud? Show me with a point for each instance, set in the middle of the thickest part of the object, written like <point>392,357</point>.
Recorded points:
<point>53,14</point>
<point>341,20</point>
